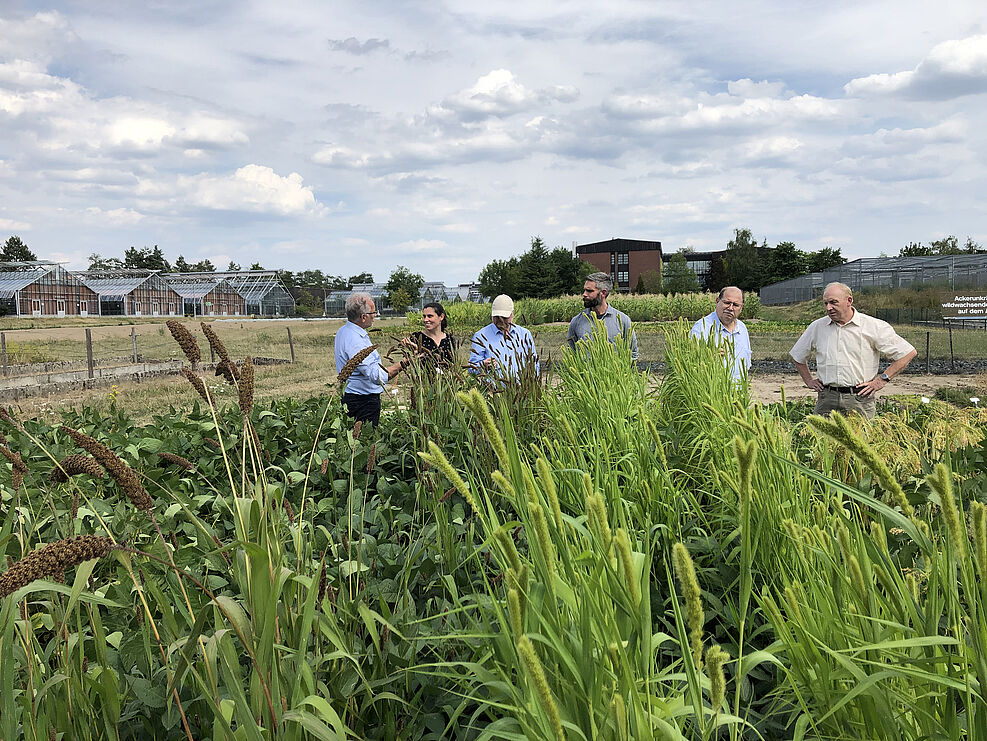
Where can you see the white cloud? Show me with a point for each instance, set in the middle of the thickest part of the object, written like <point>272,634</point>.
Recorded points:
<point>13,225</point>
<point>252,189</point>
<point>423,245</point>
<point>951,69</point>
<point>113,217</point>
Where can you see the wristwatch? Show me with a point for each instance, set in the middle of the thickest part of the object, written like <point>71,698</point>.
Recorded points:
<point>886,378</point>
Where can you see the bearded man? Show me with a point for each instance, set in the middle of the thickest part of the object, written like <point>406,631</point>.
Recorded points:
<point>596,289</point>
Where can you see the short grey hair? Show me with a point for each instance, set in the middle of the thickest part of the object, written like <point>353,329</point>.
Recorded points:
<point>357,304</point>
<point>603,281</point>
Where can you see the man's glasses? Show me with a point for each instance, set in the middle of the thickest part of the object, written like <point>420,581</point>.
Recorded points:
<point>371,313</point>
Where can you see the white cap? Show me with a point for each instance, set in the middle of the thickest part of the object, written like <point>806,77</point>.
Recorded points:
<point>503,305</point>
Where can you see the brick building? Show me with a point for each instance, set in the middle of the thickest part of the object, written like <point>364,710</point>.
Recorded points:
<point>132,293</point>
<point>624,259</point>
<point>41,288</point>
<point>205,294</point>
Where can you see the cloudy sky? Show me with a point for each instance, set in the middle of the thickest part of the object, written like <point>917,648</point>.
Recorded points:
<point>351,136</point>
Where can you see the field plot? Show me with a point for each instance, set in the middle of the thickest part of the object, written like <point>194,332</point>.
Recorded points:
<point>595,558</point>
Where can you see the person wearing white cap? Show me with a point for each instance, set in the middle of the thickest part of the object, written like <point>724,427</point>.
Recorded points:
<point>502,349</point>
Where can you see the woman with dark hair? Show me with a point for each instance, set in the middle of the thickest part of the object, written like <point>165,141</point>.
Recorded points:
<point>433,343</point>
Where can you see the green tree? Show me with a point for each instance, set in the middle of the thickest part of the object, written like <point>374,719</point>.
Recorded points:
<point>361,278</point>
<point>787,261</point>
<point>717,277</point>
<point>15,250</point>
<point>679,277</point>
<point>649,281</point>
<point>399,300</point>
<point>915,249</point>
<point>97,262</point>
<point>538,273</point>
<point>827,257</point>
<point>500,276</point>
<point>407,283</point>
<point>256,266</point>
<point>146,259</point>
<point>182,265</point>
<point>233,267</point>
<point>745,261</point>
<point>204,266</point>
<point>972,247</point>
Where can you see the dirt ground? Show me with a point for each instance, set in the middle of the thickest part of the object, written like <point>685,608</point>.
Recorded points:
<point>767,387</point>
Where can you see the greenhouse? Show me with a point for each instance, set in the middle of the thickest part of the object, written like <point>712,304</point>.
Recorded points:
<point>952,272</point>
<point>263,291</point>
<point>205,294</point>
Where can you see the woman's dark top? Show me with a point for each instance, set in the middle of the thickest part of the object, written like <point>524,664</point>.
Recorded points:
<point>445,350</point>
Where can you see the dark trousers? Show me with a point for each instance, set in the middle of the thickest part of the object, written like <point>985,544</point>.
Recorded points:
<point>363,407</point>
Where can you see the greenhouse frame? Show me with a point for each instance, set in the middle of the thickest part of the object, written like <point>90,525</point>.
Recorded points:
<point>205,294</point>
<point>263,292</point>
<point>949,272</point>
<point>43,288</point>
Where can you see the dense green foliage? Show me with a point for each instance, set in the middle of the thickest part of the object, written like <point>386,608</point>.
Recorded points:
<point>538,273</point>
<point>572,559</point>
<point>16,250</point>
<point>640,308</point>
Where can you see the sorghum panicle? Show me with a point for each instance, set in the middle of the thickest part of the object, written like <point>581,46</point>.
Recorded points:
<point>351,365</point>
<point>185,340</point>
<point>215,342</point>
<point>197,384</point>
<point>177,460</point>
<point>119,471</point>
<point>73,465</point>
<point>247,386</point>
<point>52,560</point>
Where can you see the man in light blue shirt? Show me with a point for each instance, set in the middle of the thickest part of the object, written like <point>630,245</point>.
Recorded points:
<point>595,292</point>
<point>727,331</point>
<point>502,349</point>
<point>361,397</point>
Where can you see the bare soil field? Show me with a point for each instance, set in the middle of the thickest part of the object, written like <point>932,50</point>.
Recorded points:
<point>767,387</point>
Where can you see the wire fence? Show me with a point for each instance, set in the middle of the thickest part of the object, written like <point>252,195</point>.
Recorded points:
<point>102,351</point>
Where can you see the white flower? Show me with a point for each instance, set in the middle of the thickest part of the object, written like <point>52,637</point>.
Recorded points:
<point>926,399</point>
<point>975,400</point>
<point>394,391</point>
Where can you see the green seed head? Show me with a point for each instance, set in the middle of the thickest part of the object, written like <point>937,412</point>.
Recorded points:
<point>536,673</point>
<point>623,545</point>
<point>716,657</point>
<point>685,572</point>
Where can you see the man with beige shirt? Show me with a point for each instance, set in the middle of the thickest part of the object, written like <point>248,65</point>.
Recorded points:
<point>848,347</point>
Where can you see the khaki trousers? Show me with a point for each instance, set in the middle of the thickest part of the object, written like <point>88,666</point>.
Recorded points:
<point>833,401</point>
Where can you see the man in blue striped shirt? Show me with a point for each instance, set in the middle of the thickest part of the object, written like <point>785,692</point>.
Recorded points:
<point>726,330</point>
<point>502,349</point>
<point>361,396</point>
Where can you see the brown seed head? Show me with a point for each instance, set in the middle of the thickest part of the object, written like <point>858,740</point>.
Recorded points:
<point>172,458</point>
<point>324,467</point>
<point>5,416</point>
<point>75,504</point>
<point>197,384</point>
<point>357,428</point>
<point>247,386</point>
<point>228,370</point>
<point>352,363</point>
<point>215,342</point>
<point>73,465</point>
<point>14,458</point>
<point>213,442</point>
<point>52,560</point>
<point>372,458</point>
<point>119,471</point>
<point>185,341</point>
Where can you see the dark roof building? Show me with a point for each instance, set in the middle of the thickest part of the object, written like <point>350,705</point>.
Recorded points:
<point>624,259</point>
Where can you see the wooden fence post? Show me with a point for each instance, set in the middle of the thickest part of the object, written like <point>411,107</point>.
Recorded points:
<point>291,345</point>
<point>952,359</point>
<point>3,350</point>
<point>89,351</point>
<point>133,337</point>
<point>928,340</point>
